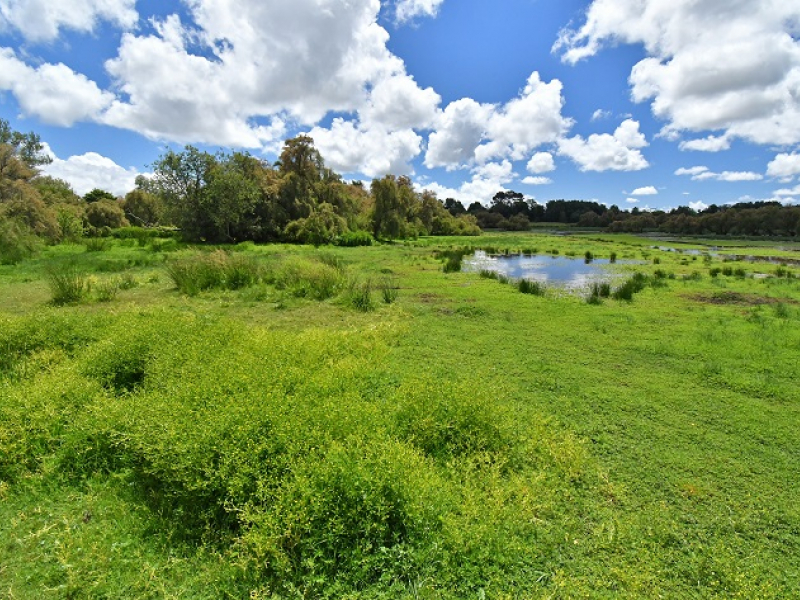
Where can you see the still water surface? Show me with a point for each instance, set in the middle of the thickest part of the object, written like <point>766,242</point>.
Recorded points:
<point>562,271</point>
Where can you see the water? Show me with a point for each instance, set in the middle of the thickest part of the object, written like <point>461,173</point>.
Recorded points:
<point>562,271</point>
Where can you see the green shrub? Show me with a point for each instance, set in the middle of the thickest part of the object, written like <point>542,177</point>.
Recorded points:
<point>311,279</point>
<point>352,239</point>
<point>613,258</point>
<point>588,256</point>
<point>214,270</point>
<point>488,274</point>
<point>17,242</point>
<point>67,286</point>
<point>96,244</point>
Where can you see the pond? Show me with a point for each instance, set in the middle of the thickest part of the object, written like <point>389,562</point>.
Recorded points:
<point>569,273</point>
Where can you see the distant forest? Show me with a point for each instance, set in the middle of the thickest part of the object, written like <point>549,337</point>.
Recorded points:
<point>234,197</point>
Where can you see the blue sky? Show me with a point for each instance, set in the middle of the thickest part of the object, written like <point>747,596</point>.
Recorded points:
<point>638,103</point>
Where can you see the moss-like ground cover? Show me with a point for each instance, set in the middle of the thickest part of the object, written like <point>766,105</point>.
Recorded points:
<point>357,423</point>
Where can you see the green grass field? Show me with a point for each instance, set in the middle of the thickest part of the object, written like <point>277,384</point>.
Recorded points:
<point>356,423</point>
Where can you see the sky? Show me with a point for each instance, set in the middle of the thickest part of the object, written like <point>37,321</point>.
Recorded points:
<point>636,103</point>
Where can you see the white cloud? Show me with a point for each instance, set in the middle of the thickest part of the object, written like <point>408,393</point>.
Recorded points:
<point>234,74</point>
<point>632,200</point>
<point>537,181</point>
<point>784,166</point>
<point>398,103</point>
<point>541,162</point>
<point>704,174</point>
<point>469,133</point>
<point>406,10</point>
<point>53,93</point>
<point>523,124</point>
<point>693,171</point>
<point>460,130</point>
<point>715,65</point>
<point>486,181</point>
<point>698,206</point>
<point>601,114</point>
<point>708,144</point>
<point>788,192</point>
<point>606,152</point>
<point>645,191</point>
<point>91,170</point>
<point>41,20</point>
<point>373,152</point>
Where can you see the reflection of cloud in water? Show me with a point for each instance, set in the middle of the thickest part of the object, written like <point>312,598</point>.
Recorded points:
<point>570,273</point>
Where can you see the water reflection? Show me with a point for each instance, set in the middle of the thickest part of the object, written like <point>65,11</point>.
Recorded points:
<point>569,273</point>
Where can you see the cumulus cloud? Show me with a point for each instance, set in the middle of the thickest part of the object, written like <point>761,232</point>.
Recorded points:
<point>601,114</point>
<point>406,10</point>
<point>619,151</point>
<point>645,191</point>
<point>91,170</point>
<point>698,206</point>
<point>788,192</point>
<point>537,180</point>
<point>41,20</point>
<point>541,162</point>
<point>471,133</point>
<point>53,93</point>
<point>461,127</point>
<point>486,181</point>
<point>234,73</point>
<point>632,200</point>
<point>704,174</point>
<point>707,144</point>
<point>784,166</point>
<point>728,66</point>
<point>373,152</point>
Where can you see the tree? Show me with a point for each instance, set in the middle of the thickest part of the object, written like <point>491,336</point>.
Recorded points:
<point>97,194</point>
<point>27,147</point>
<point>142,208</point>
<point>180,179</point>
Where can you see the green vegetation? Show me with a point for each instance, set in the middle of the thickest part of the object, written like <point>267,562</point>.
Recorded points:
<point>279,421</point>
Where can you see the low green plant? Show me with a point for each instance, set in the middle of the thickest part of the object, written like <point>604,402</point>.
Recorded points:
<point>488,274</point>
<point>352,239</point>
<point>67,285</point>
<point>388,288</point>
<point>96,244</point>
<point>106,290</point>
<point>359,295</point>
<point>17,242</point>
<point>529,286</point>
<point>613,258</point>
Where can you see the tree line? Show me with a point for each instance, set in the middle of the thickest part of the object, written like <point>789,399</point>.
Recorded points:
<point>225,197</point>
<point>510,210</point>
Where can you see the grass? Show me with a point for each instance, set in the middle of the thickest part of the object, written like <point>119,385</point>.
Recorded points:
<point>274,441</point>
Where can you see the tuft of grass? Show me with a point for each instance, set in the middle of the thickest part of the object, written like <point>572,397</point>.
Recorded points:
<point>488,274</point>
<point>529,286</point>
<point>215,270</point>
<point>67,286</point>
<point>388,288</point>
<point>613,258</point>
<point>359,295</point>
<point>106,290</point>
<point>96,244</point>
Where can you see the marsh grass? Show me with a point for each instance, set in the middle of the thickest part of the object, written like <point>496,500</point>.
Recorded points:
<point>214,270</point>
<point>67,285</point>
<point>316,279</point>
<point>359,294</point>
<point>96,244</point>
<point>529,286</point>
<point>389,289</point>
